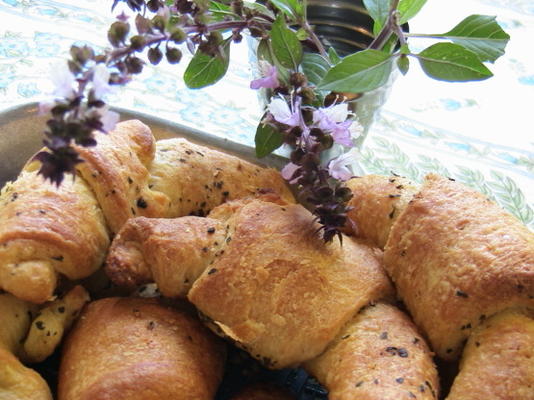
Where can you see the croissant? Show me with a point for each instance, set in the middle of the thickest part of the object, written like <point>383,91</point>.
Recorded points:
<point>379,354</point>
<point>50,323</point>
<point>17,382</point>
<point>498,360</point>
<point>268,282</point>
<point>117,171</point>
<point>455,257</point>
<point>133,348</point>
<point>46,231</point>
<point>196,178</point>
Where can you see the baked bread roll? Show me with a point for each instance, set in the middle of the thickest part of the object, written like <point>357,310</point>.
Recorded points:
<point>46,330</point>
<point>277,290</point>
<point>138,349</point>
<point>457,258</point>
<point>171,252</point>
<point>263,391</point>
<point>376,203</point>
<point>196,178</point>
<point>117,171</point>
<point>16,381</point>
<point>498,360</point>
<point>379,355</point>
<point>46,231</point>
<point>268,282</point>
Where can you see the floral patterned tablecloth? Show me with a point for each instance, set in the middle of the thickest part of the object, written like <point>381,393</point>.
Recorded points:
<point>479,133</point>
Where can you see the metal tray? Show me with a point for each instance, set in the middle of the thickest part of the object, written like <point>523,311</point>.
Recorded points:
<point>21,137</point>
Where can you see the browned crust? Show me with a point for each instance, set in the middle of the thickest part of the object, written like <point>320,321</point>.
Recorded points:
<point>376,203</point>
<point>278,290</point>
<point>498,360</point>
<point>117,171</point>
<point>170,252</point>
<point>45,230</point>
<point>457,258</point>
<point>18,382</point>
<point>137,349</point>
<point>378,355</point>
<point>197,179</point>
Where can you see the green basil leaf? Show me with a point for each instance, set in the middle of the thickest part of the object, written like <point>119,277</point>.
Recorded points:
<point>267,139</point>
<point>292,8</point>
<point>360,72</point>
<point>315,67</point>
<point>379,11</point>
<point>482,35</point>
<point>219,10</point>
<point>204,70</point>
<point>409,9</point>
<point>285,44</point>
<point>453,63</point>
<point>259,7</point>
<point>334,57</point>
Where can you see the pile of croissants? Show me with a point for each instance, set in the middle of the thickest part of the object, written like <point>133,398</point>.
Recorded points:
<point>435,271</point>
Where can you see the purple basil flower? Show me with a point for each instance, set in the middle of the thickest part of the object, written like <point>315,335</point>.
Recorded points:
<point>289,171</point>
<point>63,81</point>
<point>281,112</point>
<point>108,118</point>
<point>338,168</point>
<point>269,78</point>
<point>101,84</point>
<point>333,120</point>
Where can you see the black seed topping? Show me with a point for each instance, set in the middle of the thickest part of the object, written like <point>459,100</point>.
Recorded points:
<point>459,293</point>
<point>40,325</point>
<point>141,203</point>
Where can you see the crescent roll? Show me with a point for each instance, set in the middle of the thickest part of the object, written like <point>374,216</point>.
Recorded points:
<point>171,252</point>
<point>259,273</point>
<point>197,178</point>
<point>498,360</point>
<point>379,355</point>
<point>457,258</point>
<point>139,349</point>
<point>17,382</point>
<point>117,171</point>
<point>45,231</point>
<point>377,201</point>
<point>277,290</point>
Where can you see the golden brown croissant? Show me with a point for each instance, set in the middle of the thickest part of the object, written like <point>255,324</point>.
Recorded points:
<point>51,322</point>
<point>196,178</point>
<point>16,381</point>
<point>46,231</point>
<point>498,360</point>
<point>117,171</point>
<point>171,252</point>
<point>456,258</point>
<point>269,283</point>
<point>376,204</point>
<point>132,348</point>
<point>379,355</point>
